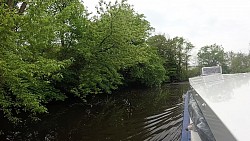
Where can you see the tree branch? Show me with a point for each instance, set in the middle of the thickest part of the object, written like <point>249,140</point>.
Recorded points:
<point>22,8</point>
<point>10,3</point>
<point>111,32</point>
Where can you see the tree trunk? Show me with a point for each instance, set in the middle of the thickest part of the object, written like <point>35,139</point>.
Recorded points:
<point>22,8</point>
<point>10,3</point>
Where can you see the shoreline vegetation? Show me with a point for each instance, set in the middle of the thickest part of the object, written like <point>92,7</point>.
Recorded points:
<point>54,50</point>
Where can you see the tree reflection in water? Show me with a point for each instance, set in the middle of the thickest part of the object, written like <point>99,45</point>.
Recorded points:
<point>132,114</point>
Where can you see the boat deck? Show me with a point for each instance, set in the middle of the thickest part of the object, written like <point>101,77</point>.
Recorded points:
<point>225,100</point>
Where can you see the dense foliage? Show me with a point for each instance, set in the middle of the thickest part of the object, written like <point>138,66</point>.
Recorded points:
<point>175,52</point>
<point>213,55</point>
<point>51,50</point>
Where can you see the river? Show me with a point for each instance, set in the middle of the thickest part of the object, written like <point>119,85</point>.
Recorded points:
<point>152,114</point>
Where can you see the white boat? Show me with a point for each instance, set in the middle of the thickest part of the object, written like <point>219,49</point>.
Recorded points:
<point>219,107</point>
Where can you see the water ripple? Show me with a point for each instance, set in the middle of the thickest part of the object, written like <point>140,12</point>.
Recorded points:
<point>163,126</point>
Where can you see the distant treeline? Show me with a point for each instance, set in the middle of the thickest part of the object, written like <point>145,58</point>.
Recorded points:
<point>231,62</point>
<point>51,50</point>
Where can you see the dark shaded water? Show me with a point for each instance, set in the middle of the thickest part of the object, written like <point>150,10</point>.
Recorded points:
<point>133,114</point>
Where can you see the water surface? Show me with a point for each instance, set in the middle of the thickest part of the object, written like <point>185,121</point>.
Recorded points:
<point>133,114</point>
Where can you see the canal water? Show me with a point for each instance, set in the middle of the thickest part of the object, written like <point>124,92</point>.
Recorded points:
<point>152,114</point>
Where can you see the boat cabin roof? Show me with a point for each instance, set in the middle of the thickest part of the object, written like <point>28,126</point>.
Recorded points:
<point>228,97</point>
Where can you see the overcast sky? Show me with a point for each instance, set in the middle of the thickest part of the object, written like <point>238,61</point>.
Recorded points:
<point>202,22</point>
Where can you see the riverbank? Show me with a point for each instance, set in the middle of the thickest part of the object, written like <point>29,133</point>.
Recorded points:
<point>177,83</point>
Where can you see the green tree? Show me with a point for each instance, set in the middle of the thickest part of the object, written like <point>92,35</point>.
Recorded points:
<point>212,55</point>
<point>182,55</point>
<point>27,71</point>
<point>112,47</point>
<point>240,63</point>
<point>149,70</point>
<point>175,53</point>
<point>51,49</point>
